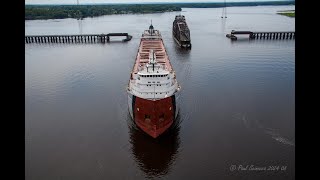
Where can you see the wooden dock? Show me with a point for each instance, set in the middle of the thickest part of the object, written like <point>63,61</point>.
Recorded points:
<point>263,35</point>
<point>83,38</point>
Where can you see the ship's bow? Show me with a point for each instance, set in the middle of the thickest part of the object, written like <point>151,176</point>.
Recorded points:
<point>153,117</point>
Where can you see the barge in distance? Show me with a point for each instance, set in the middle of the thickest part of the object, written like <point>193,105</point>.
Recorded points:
<point>153,88</point>
<point>181,32</point>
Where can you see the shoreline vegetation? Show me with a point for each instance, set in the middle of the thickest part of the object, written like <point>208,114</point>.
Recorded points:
<point>289,13</point>
<point>34,12</point>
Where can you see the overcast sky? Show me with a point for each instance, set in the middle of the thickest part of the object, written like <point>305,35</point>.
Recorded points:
<point>125,1</point>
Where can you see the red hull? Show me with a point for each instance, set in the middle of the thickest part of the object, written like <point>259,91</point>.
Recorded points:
<point>154,117</point>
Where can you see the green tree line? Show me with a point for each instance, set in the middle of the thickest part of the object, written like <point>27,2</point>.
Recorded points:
<point>82,11</point>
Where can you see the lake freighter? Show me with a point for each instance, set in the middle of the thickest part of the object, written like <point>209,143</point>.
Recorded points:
<point>153,88</point>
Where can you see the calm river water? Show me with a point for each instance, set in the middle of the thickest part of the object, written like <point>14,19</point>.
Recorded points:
<point>237,113</point>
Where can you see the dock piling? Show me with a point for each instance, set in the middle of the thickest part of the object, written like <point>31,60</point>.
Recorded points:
<point>87,38</point>
<point>262,35</point>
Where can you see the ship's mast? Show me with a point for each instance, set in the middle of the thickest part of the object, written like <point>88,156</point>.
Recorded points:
<point>224,10</point>
<point>151,29</point>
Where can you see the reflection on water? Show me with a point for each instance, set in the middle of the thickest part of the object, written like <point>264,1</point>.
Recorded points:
<point>80,26</point>
<point>154,157</point>
<point>223,25</point>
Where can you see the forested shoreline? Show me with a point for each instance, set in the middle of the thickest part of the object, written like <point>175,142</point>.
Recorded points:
<point>33,12</point>
<point>289,13</point>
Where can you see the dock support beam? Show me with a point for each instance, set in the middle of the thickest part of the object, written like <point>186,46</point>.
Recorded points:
<point>100,38</point>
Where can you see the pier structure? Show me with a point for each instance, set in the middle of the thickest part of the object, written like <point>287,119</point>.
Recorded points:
<point>263,35</point>
<point>83,38</point>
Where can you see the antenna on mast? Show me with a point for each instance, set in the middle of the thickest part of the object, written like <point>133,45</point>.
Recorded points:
<point>225,5</point>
